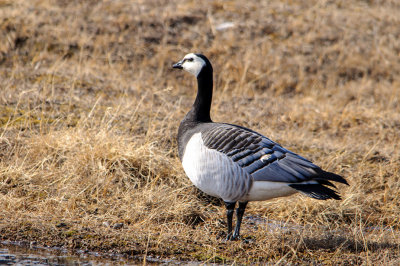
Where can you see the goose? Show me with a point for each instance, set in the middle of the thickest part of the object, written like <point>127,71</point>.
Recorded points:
<point>238,164</point>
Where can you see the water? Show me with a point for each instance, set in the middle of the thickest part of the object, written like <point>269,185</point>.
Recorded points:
<point>12,253</point>
<point>19,253</point>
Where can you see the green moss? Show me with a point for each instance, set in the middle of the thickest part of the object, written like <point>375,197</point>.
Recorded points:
<point>70,233</point>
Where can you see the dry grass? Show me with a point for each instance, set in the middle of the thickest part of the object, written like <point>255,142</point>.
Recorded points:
<point>89,109</point>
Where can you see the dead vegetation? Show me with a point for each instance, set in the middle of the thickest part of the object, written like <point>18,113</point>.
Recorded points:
<point>89,109</point>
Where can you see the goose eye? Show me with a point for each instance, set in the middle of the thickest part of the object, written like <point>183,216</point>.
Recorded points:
<point>190,59</point>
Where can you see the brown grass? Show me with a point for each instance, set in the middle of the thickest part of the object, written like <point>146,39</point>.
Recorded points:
<point>89,109</point>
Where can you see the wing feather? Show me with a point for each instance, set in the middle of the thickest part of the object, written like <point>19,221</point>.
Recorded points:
<point>266,160</point>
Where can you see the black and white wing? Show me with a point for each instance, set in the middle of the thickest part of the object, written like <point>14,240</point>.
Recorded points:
<point>266,160</point>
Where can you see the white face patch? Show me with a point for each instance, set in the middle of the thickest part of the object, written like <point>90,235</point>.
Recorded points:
<point>193,64</point>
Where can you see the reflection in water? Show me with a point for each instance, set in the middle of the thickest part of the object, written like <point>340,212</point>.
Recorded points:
<point>13,254</point>
<point>18,253</point>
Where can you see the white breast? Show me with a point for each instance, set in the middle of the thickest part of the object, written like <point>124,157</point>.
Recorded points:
<point>213,172</point>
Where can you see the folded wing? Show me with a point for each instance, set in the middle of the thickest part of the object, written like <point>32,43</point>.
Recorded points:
<point>266,160</point>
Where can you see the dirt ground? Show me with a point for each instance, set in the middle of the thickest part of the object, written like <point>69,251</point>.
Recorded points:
<point>90,106</point>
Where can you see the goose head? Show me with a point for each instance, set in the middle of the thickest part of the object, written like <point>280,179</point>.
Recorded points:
<point>194,64</point>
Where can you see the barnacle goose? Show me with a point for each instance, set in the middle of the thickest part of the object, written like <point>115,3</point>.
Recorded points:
<point>238,164</point>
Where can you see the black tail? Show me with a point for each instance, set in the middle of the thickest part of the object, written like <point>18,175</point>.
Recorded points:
<point>319,190</point>
<point>330,176</point>
<point>316,191</point>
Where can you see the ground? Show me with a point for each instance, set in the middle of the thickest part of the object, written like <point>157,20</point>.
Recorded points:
<point>90,106</point>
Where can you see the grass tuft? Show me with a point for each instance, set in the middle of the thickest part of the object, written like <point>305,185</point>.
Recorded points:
<point>89,110</point>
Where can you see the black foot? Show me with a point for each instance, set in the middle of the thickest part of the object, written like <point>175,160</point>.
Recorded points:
<point>235,236</point>
<point>231,237</point>
<point>230,207</point>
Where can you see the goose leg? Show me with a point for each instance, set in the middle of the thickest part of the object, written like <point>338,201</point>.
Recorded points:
<point>230,208</point>
<point>239,216</point>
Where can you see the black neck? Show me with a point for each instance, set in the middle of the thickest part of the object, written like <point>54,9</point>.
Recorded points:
<point>200,111</point>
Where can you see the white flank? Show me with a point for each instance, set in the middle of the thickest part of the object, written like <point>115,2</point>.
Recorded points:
<point>265,190</point>
<point>213,172</point>
<point>194,67</point>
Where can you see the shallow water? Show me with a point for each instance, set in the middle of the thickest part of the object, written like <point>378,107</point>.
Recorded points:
<point>16,254</point>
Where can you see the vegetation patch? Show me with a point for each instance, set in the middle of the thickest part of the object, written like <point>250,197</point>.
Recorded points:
<point>89,111</point>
